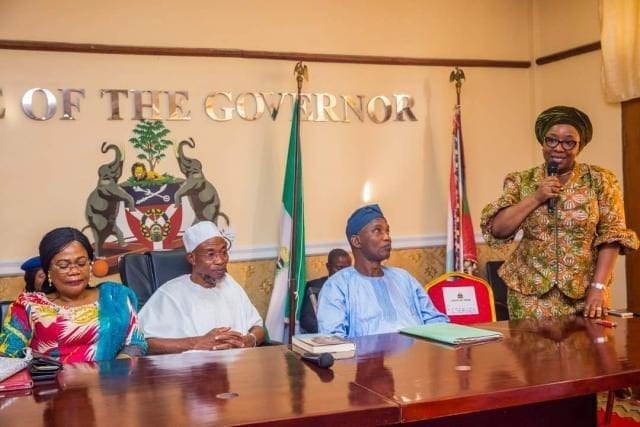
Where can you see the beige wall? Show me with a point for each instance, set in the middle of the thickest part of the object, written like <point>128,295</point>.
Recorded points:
<point>47,169</point>
<point>407,163</point>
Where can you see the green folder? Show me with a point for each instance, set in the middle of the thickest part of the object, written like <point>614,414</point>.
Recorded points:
<point>452,333</point>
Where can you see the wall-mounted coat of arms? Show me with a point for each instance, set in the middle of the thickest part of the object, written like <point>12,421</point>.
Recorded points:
<point>148,210</point>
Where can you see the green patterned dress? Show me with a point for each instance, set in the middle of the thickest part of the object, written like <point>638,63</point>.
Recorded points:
<point>551,268</point>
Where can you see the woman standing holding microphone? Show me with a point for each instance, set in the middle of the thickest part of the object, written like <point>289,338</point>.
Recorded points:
<point>572,218</point>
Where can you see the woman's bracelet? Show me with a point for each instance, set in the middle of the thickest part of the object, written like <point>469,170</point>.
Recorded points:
<point>598,285</point>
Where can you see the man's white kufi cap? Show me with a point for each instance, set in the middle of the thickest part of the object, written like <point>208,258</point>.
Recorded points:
<point>198,233</point>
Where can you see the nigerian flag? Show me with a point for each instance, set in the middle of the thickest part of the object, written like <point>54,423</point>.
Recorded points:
<point>279,303</point>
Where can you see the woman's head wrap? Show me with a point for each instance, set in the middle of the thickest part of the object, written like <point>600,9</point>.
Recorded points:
<point>564,115</point>
<point>31,264</point>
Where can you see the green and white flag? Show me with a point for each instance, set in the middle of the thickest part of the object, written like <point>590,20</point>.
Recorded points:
<point>279,303</point>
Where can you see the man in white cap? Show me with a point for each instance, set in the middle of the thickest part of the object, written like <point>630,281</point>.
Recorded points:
<point>204,310</point>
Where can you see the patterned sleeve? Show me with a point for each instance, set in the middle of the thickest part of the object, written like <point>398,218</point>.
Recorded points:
<point>16,329</point>
<point>510,196</point>
<point>135,345</point>
<point>612,226</point>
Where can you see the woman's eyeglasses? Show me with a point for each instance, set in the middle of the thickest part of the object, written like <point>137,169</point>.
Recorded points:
<point>552,142</point>
<point>66,266</point>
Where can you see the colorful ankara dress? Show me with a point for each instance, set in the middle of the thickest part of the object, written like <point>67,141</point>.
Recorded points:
<point>91,332</point>
<point>551,268</point>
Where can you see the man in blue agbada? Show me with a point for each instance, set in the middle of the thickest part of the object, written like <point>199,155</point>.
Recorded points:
<point>370,298</point>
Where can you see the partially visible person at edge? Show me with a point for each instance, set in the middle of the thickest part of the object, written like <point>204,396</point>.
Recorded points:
<point>34,277</point>
<point>204,310</point>
<point>564,262</point>
<point>75,322</point>
<point>336,261</point>
<point>370,298</point>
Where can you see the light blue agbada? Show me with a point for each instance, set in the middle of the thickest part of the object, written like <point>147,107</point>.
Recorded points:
<point>352,305</point>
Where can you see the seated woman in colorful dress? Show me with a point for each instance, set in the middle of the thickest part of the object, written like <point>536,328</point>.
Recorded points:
<point>76,322</point>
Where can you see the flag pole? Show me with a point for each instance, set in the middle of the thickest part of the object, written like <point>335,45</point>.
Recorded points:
<point>300,71</point>
<point>458,76</point>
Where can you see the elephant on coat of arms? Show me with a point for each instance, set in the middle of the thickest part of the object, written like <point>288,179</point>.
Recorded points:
<point>104,201</point>
<point>201,193</point>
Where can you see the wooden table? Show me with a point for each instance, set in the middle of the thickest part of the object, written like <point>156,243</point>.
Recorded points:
<point>545,372</point>
<point>542,373</point>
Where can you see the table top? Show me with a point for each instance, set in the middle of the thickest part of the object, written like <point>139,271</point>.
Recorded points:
<point>394,378</point>
<point>538,360</point>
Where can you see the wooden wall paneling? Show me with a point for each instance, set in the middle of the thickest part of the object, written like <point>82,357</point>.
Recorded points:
<point>631,173</point>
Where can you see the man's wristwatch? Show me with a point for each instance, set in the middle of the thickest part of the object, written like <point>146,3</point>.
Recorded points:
<point>598,285</point>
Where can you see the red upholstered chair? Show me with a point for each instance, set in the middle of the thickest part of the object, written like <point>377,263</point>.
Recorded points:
<point>462,297</point>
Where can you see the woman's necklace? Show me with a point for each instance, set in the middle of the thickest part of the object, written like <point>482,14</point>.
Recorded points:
<point>565,173</point>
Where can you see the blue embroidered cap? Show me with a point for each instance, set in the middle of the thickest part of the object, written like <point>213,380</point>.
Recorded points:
<point>31,264</point>
<point>362,217</point>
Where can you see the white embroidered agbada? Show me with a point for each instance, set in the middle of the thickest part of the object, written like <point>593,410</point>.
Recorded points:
<point>181,308</point>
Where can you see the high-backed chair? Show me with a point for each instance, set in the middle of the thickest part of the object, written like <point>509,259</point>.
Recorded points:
<point>499,289</point>
<point>462,297</point>
<point>145,273</point>
<point>309,311</point>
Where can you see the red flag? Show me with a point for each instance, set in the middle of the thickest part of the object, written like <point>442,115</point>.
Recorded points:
<point>462,255</point>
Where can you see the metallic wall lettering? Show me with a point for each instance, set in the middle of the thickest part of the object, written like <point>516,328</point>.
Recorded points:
<point>209,107</point>
<point>326,108</point>
<point>258,109</point>
<point>177,101</point>
<point>349,103</point>
<point>2,108</point>
<point>114,98</point>
<point>386,105</point>
<point>305,104</point>
<point>271,106</point>
<point>27,104</point>
<point>41,104</point>
<point>68,104</point>
<point>404,104</point>
<point>138,105</point>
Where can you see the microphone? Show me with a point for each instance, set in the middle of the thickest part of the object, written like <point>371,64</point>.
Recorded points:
<point>322,360</point>
<point>552,170</point>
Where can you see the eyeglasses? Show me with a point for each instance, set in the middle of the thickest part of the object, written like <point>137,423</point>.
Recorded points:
<point>211,255</point>
<point>66,266</point>
<point>552,142</point>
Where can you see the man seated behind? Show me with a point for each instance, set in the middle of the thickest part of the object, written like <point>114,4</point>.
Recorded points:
<point>370,298</point>
<point>204,310</point>
<point>336,261</point>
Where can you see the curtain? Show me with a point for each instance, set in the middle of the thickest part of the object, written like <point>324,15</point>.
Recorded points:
<point>620,38</point>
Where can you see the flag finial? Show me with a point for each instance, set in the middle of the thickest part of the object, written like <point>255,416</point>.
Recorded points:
<point>457,75</point>
<point>301,72</point>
